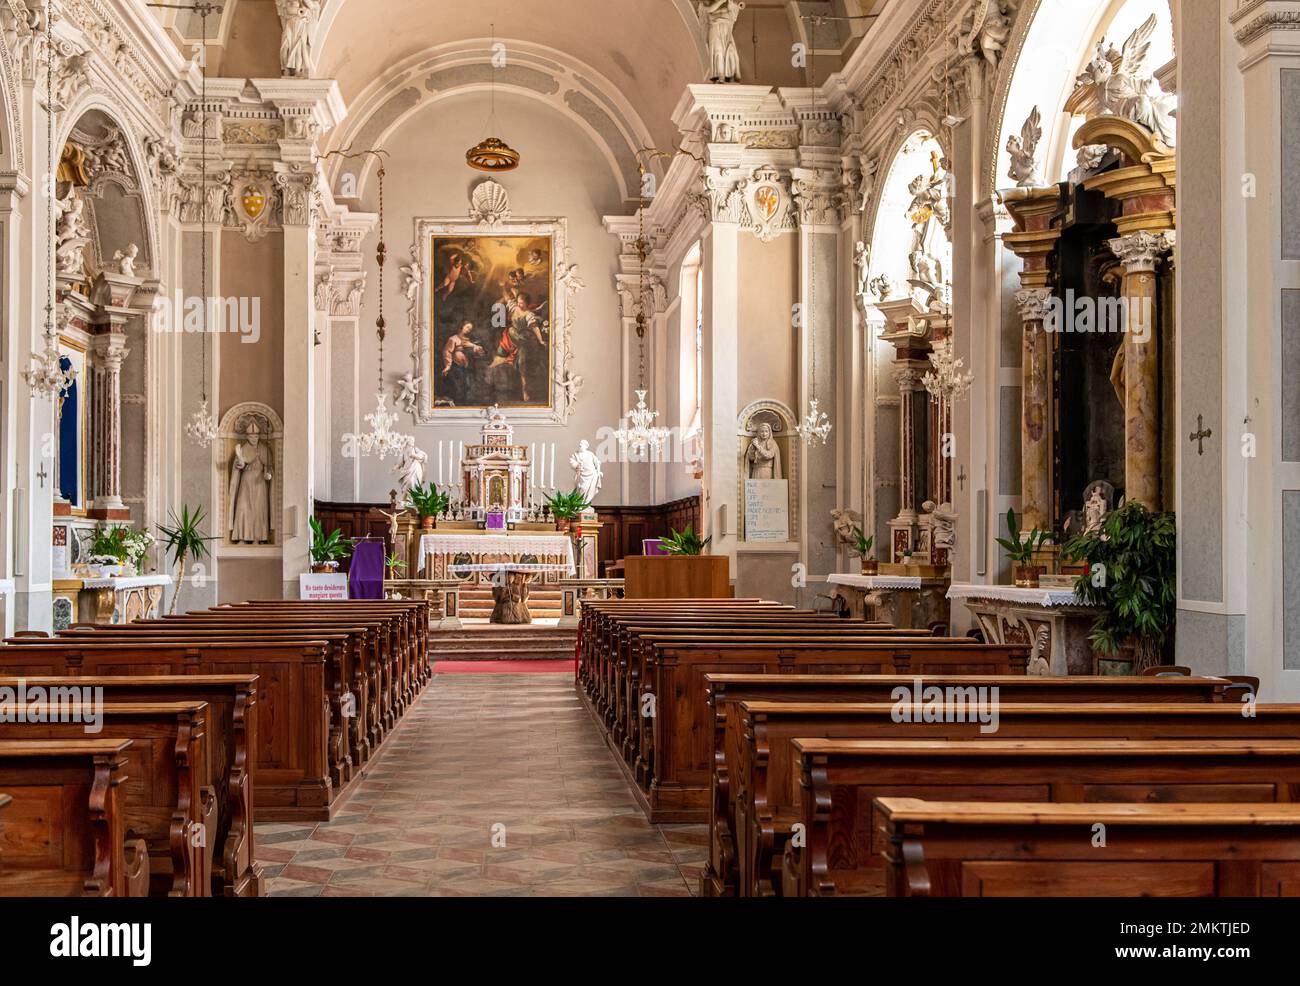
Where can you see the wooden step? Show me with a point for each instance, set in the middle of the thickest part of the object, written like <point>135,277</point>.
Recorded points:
<point>491,642</point>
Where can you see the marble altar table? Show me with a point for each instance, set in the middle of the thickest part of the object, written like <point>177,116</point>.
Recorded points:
<point>906,601</point>
<point>439,552</point>
<point>1052,621</point>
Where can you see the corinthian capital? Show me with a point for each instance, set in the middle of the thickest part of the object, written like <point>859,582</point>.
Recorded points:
<point>1033,303</point>
<point>1141,251</point>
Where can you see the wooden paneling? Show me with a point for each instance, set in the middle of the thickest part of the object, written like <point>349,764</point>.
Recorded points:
<point>623,528</point>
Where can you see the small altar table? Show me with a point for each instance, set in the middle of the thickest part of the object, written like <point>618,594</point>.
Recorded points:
<point>438,552</point>
<point>107,599</point>
<point>1053,622</point>
<point>906,601</point>
<point>510,584</point>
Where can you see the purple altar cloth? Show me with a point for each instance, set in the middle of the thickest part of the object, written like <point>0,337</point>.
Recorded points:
<point>366,576</point>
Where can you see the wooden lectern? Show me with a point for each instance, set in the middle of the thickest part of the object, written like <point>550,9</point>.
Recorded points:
<point>677,577</point>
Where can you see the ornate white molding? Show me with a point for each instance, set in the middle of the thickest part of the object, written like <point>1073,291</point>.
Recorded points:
<point>489,204</point>
<point>1033,303</point>
<point>1142,251</point>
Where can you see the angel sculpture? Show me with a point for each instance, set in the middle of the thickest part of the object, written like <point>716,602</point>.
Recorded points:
<point>1024,169</point>
<point>126,260</point>
<point>985,31</point>
<point>1115,80</point>
<point>412,276</point>
<point>409,394</point>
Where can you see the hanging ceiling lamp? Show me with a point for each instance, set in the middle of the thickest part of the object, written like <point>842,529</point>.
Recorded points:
<point>47,378</point>
<point>492,154</point>
<point>202,425</point>
<point>381,440</point>
<point>816,424</point>
<point>642,436</point>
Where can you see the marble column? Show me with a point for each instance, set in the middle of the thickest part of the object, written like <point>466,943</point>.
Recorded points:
<point>106,426</point>
<point>1035,409</point>
<point>1140,252</point>
<point>911,472</point>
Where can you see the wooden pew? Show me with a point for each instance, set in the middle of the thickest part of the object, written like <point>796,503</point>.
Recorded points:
<point>290,760</point>
<point>767,779</point>
<point>725,691</point>
<point>352,673</point>
<point>674,764</point>
<point>64,831</point>
<point>840,779</point>
<point>231,735</point>
<point>970,849</point>
<point>169,801</point>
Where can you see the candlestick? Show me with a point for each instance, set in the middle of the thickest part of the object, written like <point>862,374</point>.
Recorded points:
<point>439,461</point>
<point>552,465</point>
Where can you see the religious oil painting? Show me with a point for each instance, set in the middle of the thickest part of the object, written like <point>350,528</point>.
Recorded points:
<point>491,321</point>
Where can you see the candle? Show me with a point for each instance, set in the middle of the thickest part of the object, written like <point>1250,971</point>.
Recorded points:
<point>552,465</point>
<point>532,464</point>
<point>439,461</point>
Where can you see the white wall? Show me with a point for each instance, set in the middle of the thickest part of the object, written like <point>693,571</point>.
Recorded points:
<point>563,173</point>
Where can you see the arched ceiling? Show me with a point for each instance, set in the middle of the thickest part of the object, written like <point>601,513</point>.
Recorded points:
<point>650,50</point>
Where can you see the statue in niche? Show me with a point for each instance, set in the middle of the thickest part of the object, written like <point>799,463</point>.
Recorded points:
<point>298,18</point>
<point>250,489</point>
<point>930,217</point>
<point>587,471</point>
<point>1097,500</point>
<point>763,457</point>
<point>724,57</point>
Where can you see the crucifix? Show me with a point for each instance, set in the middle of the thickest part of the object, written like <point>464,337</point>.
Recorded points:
<point>1200,435</point>
<point>42,475</point>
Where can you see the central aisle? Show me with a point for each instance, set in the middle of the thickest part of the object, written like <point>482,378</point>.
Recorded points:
<point>512,753</point>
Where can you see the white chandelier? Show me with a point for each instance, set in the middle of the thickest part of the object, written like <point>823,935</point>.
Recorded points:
<point>47,378</point>
<point>643,436</point>
<point>381,440</point>
<point>815,424</point>
<point>202,426</point>
<point>946,382</point>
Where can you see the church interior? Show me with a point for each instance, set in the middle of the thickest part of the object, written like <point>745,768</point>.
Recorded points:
<point>688,448</point>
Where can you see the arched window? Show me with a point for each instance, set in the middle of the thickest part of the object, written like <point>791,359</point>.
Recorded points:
<point>903,237</point>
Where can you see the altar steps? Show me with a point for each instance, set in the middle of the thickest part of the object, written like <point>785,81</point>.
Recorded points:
<point>544,604</point>
<point>489,642</point>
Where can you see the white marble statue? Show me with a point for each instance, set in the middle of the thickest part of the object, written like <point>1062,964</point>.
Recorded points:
<point>985,30</point>
<point>763,457</point>
<point>71,233</point>
<point>1120,86</point>
<point>410,470</point>
<point>844,520</point>
<point>1096,504</point>
<point>298,19</point>
<point>724,57</point>
<point>943,524</point>
<point>250,489</point>
<point>587,471</point>
<point>126,259</point>
<point>1024,168</point>
<point>408,395</point>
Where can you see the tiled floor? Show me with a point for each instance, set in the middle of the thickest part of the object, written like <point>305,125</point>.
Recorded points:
<point>493,785</point>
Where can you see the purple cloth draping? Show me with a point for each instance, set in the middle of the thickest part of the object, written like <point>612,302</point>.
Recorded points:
<point>366,576</point>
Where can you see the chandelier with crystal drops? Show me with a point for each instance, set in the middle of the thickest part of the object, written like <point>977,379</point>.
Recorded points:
<point>816,424</point>
<point>47,378</point>
<point>202,426</point>
<point>945,381</point>
<point>642,436</point>
<point>381,440</point>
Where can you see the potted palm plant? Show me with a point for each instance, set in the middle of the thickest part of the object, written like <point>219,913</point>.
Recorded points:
<point>393,566</point>
<point>1132,577</point>
<point>429,503</point>
<point>184,541</point>
<point>566,507</point>
<point>327,550</point>
<point>862,545</point>
<point>685,542</point>
<point>1021,551</point>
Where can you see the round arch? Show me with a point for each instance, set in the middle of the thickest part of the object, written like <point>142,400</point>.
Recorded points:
<point>915,155</point>
<point>535,72</point>
<point>1051,42</point>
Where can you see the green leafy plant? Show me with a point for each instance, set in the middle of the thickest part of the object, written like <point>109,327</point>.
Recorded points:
<point>327,548</point>
<point>1133,577</point>
<point>567,506</point>
<point>862,543</point>
<point>428,501</point>
<point>184,540</point>
<point>393,564</point>
<point>109,542</point>
<point>1021,549</point>
<point>685,542</point>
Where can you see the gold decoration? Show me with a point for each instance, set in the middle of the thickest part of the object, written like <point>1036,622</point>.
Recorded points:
<point>492,154</point>
<point>253,201</point>
<point>72,166</point>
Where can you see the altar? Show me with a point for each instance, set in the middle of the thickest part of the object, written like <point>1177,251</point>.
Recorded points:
<point>463,554</point>
<point>108,599</point>
<point>907,601</point>
<point>1053,622</point>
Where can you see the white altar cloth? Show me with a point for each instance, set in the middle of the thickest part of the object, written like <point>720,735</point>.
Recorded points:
<point>504,546</point>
